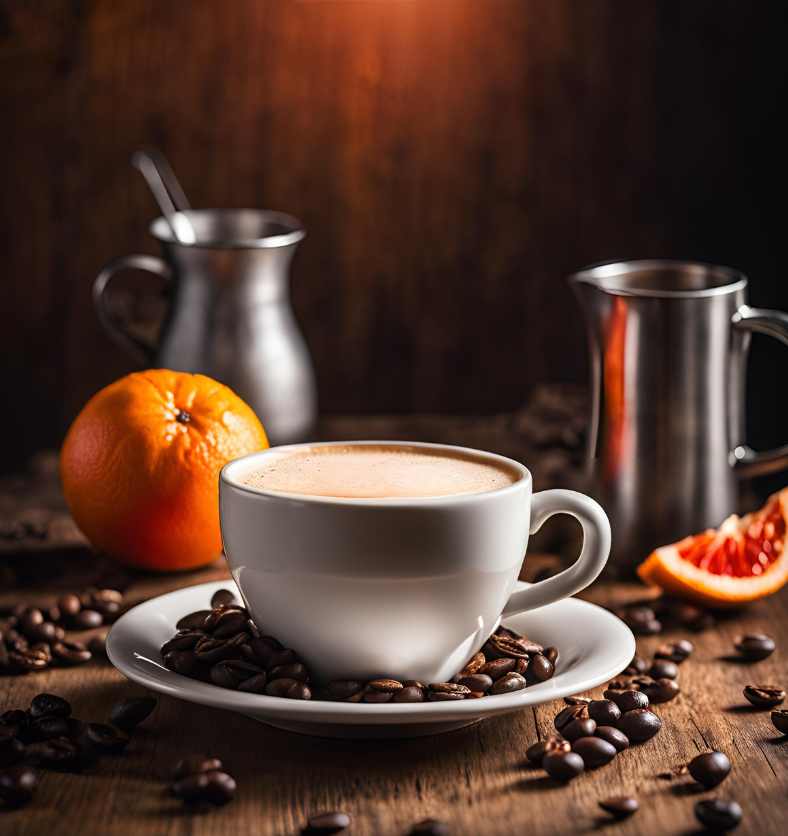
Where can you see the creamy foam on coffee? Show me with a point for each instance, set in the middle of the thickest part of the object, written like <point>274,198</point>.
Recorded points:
<point>368,471</point>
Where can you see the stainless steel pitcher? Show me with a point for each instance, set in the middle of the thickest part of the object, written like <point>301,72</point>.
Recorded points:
<point>230,315</point>
<point>668,349</point>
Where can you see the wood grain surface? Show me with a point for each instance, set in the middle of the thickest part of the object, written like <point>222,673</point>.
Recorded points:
<point>453,161</point>
<point>476,779</point>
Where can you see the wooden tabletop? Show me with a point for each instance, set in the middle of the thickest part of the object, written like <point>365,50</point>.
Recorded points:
<point>476,779</point>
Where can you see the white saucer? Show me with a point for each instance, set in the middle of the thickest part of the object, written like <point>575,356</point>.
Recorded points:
<point>593,644</point>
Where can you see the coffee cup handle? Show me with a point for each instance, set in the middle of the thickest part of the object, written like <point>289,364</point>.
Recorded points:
<point>593,556</point>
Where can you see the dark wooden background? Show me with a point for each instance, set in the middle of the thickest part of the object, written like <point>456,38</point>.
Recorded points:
<point>452,160</point>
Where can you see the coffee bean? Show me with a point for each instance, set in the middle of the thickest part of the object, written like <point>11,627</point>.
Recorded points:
<point>107,738</point>
<point>507,684</point>
<point>568,714</point>
<point>341,689</point>
<point>578,700</point>
<point>584,727</point>
<point>183,662</point>
<point>87,620</point>
<point>327,823</point>
<point>497,668</point>
<point>639,724</point>
<point>226,621</point>
<point>621,806</point>
<point>129,713</point>
<point>263,649</point>
<point>43,647</point>
<point>780,720</point>
<point>563,766</point>
<point>28,660</point>
<point>618,685</point>
<point>657,691</point>
<point>70,653</point>
<point>209,650</point>
<point>380,697</point>
<point>14,717</point>
<point>473,666</point>
<point>754,646</point>
<point>17,785</point>
<point>391,686</point>
<point>294,671</point>
<point>44,705</point>
<point>69,606</point>
<point>410,693</point>
<point>430,827</point>
<point>288,688</point>
<point>604,712</point>
<point>61,753</point>
<point>613,736</point>
<point>31,618</point>
<point>629,700</point>
<point>212,787</point>
<point>636,666</point>
<point>503,647</point>
<point>718,814</point>
<point>232,673</point>
<point>476,682</point>
<point>692,617</point>
<point>11,752</point>
<point>676,652</point>
<point>283,657</point>
<point>43,728</point>
<point>78,732</point>
<point>551,654</point>
<point>710,769</point>
<point>764,696</point>
<point>44,632</point>
<point>540,669</point>
<point>413,683</point>
<point>194,764</point>
<point>106,596</point>
<point>221,598</point>
<point>663,669</point>
<point>594,751</point>
<point>640,619</point>
<point>109,610</point>
<point>193,621</point>
<point>98,646</point>
<point>553,743</point>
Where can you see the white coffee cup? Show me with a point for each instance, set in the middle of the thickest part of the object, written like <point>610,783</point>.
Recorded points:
<point>398,587</point>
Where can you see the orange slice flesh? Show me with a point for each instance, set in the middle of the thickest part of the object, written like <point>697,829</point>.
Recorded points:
<point>743,560</point>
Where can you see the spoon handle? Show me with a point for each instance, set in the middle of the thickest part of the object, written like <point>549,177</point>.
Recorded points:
<point>163,183</point>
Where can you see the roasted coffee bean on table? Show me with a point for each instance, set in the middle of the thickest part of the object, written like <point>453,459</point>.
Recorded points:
<point>71,653</point>
<point>129,713</point>
<point>553,743</point>
<point>17,784</point>
<point>11,751</point>
<point>710,768</point>
<point>780,720</point>
<point>614,736</point>
<point>657,691</point>
<point>107,738</point>
<point>627,700</point>
<point>43,728</point>
<point>718,814</point>
<point>754,646</point>
<point>563,766</point>
<point>663,669</point>
<point>582,727</point>
<point>570,713</point>
<point>764,696</point>
<point>87,620</point>
<point>214,787</point>
<point>594,751</point>
<point>604,712</point>
<point>639,725</point>
<point>61,753</point>
<point>640,619</point>
<point>196,763</point>
<point>676,652</point>
<point>621,806</point>
<point>44,705</point>
<point>326,823</point>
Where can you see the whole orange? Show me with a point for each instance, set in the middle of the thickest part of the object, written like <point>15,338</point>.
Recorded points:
<point>140,466</point>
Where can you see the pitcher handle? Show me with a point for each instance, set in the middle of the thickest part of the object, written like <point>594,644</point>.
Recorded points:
<point>747,462</point>
<point>139,350</point>
<point>593,556</point>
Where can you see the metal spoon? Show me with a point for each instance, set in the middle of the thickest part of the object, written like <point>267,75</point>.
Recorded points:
<point>163,183</point>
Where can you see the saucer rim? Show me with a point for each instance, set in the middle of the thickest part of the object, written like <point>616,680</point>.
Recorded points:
<point>617,636</point>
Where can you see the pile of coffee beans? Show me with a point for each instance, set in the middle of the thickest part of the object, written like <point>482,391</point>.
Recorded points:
<point>658,680</point>
<point>32,638</point>
<point>47,735</point>
<point>201,782</point>
<point>224,647</point>
<point>648,618</point>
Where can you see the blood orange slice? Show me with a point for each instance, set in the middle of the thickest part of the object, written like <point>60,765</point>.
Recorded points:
<point>744,559</point>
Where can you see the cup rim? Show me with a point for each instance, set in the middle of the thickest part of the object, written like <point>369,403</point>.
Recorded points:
<point>525,480</point>
<point>598,274</point>
<point>159,228</point>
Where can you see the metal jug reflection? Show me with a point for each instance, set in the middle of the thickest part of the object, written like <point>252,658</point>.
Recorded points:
<point>668,349</point>
<point>229,315</point>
